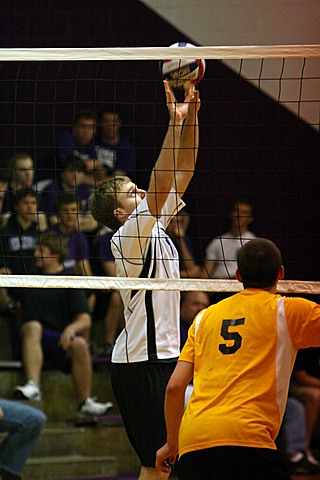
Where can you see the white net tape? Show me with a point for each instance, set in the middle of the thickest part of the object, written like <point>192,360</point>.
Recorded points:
<point>160,53</point>
<point>117,283</point>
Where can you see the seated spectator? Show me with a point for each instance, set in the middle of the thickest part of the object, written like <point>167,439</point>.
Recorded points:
<point>177,230</point>
<point>109,303</point>
<point>21,177</point>
<point>295,436</point>
<point>114,151</point>
<point>18,242</point>
<point>54,322</point>
<point>23,425</point>
<point>71,180</point>
<point>4,184</point>
<point>191,304</point>
<point>78,141</point>
<point>221,253</point>
<point>78,250</point>
<point>305,386</point>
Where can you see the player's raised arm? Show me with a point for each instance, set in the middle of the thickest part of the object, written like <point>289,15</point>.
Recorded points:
<point>163,174</point>
<point>189,143</point>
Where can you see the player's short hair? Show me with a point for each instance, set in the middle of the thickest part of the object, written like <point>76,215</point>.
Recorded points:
<point>57,244</point>
<point>259,262</point>
<point>103,202</point>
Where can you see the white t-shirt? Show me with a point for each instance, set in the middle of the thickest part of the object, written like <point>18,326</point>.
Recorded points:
<point>142,249</point>
<point>224,250</point>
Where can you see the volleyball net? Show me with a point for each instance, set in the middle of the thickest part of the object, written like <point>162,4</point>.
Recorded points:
<point>259,141</point>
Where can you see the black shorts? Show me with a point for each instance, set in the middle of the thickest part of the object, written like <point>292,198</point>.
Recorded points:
<point>139,389</point>
<point>233,463</point>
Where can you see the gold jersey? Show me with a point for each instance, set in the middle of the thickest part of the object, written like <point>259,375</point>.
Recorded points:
<point>243,350</point>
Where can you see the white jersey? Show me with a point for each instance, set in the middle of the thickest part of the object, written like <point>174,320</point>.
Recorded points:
<point>224,250</point>
<point>142,248</point>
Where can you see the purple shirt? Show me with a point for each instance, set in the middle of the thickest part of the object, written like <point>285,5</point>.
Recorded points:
<point>66,147</point>
<point>78,248</point>
<point>119,156</point>
<point>51,192</point>
<point>101,252</point>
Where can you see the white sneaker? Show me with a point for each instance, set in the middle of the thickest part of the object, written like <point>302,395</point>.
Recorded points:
<point>91,407</point>
<point>29,391</point>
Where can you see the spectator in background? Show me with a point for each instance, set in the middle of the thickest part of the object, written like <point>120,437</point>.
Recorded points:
<point>4,184</point>
<point>305,386</point>
<point>191,304</point>
<point>54,322</point>
<point>177,231</point>
<point>221,253</point>
<point>21,176</point>
<point>295,436</point>
<point>71,180</point>
<point>18,242</point>
<point>23,425</point>
<point>77,259</point>
<point>78,141</point>
<point>78,251</point>
<point>114,151</point>
<point>109,303</point>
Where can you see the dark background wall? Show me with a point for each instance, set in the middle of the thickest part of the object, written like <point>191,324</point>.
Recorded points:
<point>250,145</point>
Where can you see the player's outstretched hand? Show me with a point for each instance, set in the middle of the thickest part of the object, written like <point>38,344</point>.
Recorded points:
<point>165,458</point>
<point>179,111</point>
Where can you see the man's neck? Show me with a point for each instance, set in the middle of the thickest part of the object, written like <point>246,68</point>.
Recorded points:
<point>65,230</point>
<point>237,231</point>
<point>112,140</point>
<point>24,223</point>
<point>53,268</point>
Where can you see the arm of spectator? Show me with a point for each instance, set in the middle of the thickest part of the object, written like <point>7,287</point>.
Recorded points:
<point>81,326</point>
<point>53,219</point>
<point>83,267</point>
<point>207,269</point>
<point>87,223</point>
<point>42,221</point>
<point>301,377</point>
<point>190,268</point>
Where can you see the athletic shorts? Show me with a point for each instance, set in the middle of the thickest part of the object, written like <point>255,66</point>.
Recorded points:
<point>233,463</point>
<point>54,355</point>
<point>139,389</point>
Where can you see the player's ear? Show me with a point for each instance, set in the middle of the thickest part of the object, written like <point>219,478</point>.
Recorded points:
<point>118,213</point>
<point>281,273</point>
<point>238,276</point>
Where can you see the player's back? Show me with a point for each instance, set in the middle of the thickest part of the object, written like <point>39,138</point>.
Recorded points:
<point>243,357</point>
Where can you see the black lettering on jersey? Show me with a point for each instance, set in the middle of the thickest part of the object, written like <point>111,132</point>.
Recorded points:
<point>227,335</point>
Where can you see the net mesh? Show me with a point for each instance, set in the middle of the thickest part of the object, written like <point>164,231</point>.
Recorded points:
<point>259,139</point>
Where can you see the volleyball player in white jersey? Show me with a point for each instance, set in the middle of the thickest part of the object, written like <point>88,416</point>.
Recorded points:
<point>147,349</point>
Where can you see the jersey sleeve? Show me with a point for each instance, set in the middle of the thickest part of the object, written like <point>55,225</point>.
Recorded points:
<point>130,242</point>
<point>303,319</point>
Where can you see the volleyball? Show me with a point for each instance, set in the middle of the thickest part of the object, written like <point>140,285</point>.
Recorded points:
<point>184,71</point>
